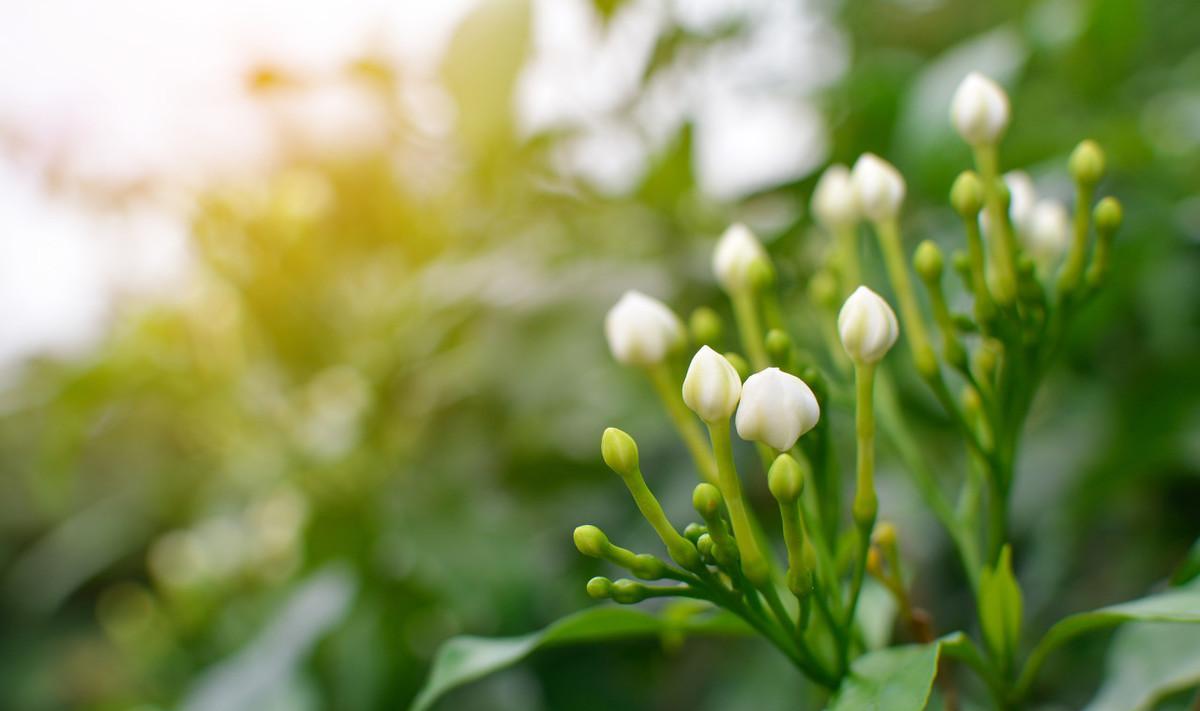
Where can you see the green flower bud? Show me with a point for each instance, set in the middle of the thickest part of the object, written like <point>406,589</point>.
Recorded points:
<point>739,364</point>
<point>620,452</point>
<point>707,500</point>
<point>591,541</point>
<point>705,546</point>
<point>884,534</point>
<point>705,326</point>
<point>785,479</point>
<point>928,261</point>
<point>823,289</point>
<point>1086,163</point>
<point>647,567</point>
<point>1108,215</point>
<point>779,346</point>
<point>761,274</point>
<point>599,588</point>
<point>966,195</point>
<point>694,531</point>
<point>627,592</point>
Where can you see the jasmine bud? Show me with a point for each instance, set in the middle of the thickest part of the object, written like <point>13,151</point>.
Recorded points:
<point>704,544</point>
<point>737,252</point>
<point>928,261</point>
<point>641,330</point>
<point>884,534</point>
<point>834,200</point>
<point>1086,163</point>
<point>599,588</point>
<point>619,451</point>
<point>1049,231</point>
<point>693,531</point>
<point>627,592</point>
<point>879,186</point>
<point>1022,199</point>
<point>867,326</point>
<point>711,388</point>
<point>591,541</point>
<point>966,195</point>
<point>979,110</point>
<point>785,480</point>
<point>776,409</point>
<point>647,567</point>
<point>1108,215</point>
<point>706,499</point>
<point>779,346</point>
<point>705,325</point>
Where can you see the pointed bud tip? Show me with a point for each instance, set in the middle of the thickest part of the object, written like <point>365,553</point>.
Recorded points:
<point>928,261</point>
<point>867,326</point>
<point>1087,163</point>
<point>1108,215</point>
<point>979,110</point>
<point>619,451</point>
<point>712,386</point>
<point>590,541</point>
<point>966,195</point>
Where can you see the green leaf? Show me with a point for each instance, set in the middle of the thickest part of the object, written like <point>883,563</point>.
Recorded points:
<point>1000,608</point>
<point>893,679</point>
<point>1189,569</point>
<point>464,659</point>
<point>1180,605</point>
<point>1146,662</point>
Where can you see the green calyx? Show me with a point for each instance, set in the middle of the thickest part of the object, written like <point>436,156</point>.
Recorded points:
<point>928,261</point>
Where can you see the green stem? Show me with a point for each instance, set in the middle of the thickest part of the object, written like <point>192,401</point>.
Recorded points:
<point>685,422</point>
<point>681,549</point>
<point>1072,269</point>
<point>914,326</point>
<point>1002,242</point>
<point>750,331</point>
<point>754,566</point>
<point>985,310</point>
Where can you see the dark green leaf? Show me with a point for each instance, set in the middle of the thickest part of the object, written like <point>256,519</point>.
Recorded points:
<point>1182,605</point>
<point>894,679</point>
<point>465,659</point>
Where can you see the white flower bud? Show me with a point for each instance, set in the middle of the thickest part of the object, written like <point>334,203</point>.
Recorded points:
<point>1049,231</point>
<point>737,252</point>
<point>979,110</point>
<point>641,330</point>
<point>867,326</point>
<point>776,409</point>
<point>834,201</point>
<point>879,187</point>
<point>1022,196</point>
<point>711,387</point>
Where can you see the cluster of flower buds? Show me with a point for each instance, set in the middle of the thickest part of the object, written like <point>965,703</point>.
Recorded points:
<point>773,393</point>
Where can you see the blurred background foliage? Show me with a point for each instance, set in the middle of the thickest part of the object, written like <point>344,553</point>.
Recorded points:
<point>371,420</point>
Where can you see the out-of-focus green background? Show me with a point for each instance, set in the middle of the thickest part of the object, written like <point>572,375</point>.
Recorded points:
<point>368,418</point>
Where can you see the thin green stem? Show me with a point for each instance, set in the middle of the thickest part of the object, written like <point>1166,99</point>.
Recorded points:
<point>745,313</point>
<point>1001,241</point>
<point>754,565</point>
<point>668,391</point>
<point>914,326</point>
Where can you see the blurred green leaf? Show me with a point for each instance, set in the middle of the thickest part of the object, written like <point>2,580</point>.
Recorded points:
<point>1189,569</point>
<point>1175,606</point>
<point>1147,662</point>
<point>465,659</point>
<point>896,679</point>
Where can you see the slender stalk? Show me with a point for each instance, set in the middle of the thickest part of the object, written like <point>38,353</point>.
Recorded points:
<point>754,566</point>
<point>1002,242</point>
<point>914,326</point>
<point>685,422</point>
<point>1072,268</point>
<point>750,330</point>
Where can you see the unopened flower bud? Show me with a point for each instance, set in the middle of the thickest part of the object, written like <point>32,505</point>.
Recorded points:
<point>761,274</point>
<point>867,326</point>
<point>711,387</point>
<point>704,544</point>
<point>591,541</point>
<point>776,409</point>
<point>966,195</point>
<point>734,258</point>
<point>834,200</point>
<point>647,567</point>
<point>1022,199</point>
<point>879,186</point>
<point>779,346</point>
<point>1086,163</point>
<point>979,110</point>
<point>740,364</point>
<point>823,289</point>
<point>706,499</point>
<point>705,325</point>
<point>1049,230</point>
<point>1108,215</point>
<point>599,588</point>
<point>641,330</point>
<point>627,592</point>
<point>928,261</point>
<point>620,452</point>
<point>874,562</point>
<point>785,480</point>
<point>884,534</point>
<point>693,531</point>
